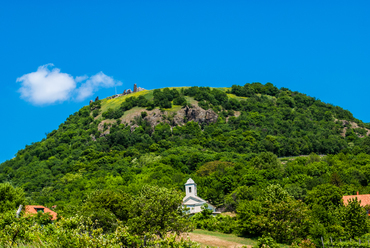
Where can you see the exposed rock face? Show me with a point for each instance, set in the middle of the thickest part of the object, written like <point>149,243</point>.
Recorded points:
<point>352,125</point>
<point>156,116</point>
<point>96,99</point>
<point>135,88</point>
<point>132,128</point>
<point>129,91</point>
<point>182,116</point>
<point>101,128</point>
<point>124,92</point>
<point>200,115</point>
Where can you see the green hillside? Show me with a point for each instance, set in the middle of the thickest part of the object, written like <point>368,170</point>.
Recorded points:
<point>229,140</point>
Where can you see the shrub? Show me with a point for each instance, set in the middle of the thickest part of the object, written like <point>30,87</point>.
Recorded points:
<point>266,242</point>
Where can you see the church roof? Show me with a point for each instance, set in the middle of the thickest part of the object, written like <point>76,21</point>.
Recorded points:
<point>190,181</point>
<point>192,199</point>
<point>197,198</point>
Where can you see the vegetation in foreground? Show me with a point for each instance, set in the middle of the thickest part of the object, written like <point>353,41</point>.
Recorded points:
<point>151,218</point>
<point>99,162</point>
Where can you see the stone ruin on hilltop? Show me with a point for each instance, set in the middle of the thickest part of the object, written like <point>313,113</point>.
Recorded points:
<point>125,92</point>
<point>129,91</point>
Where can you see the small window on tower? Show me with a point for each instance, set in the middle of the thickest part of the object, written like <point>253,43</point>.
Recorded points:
<point>189,189</point>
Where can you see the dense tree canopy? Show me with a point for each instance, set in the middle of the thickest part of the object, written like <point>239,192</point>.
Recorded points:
<point>241,162</point>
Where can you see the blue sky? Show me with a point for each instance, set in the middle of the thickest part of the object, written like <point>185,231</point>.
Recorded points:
<point>320,48</point>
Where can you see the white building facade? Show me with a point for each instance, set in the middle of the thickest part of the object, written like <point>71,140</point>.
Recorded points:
<point>192,201</point>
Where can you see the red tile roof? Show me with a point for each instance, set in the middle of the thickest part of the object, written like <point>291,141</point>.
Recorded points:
<point>365,199</point>
<point>32,209</point>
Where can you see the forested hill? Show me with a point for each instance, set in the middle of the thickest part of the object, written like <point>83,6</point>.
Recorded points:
<point>223,138</point>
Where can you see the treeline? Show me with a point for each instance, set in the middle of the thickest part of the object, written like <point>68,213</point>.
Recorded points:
<point>293,203</point>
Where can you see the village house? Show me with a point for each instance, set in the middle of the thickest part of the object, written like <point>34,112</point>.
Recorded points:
<point>192,201</point>
<point>363,199</point>
<point>34,209</point>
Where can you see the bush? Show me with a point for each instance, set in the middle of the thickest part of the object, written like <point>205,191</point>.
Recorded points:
<point>179,101</point>
<point>205,220</point>
<point>306,243</point>
<point>266,242</point>
<point>96,112</point>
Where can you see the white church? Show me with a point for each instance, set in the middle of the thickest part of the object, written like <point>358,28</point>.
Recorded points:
<point>192,201</point>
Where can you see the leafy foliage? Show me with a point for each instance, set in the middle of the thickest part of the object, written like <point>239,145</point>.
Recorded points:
<point>156,210</point>
<point>238,163</point>
<point>75,232</point>
<point>10,197</point>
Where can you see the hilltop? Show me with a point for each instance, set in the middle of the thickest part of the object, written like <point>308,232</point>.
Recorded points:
<point>176,115</point>
<point>163,136</point>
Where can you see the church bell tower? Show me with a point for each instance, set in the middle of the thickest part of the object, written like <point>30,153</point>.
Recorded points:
<point>190,188</point>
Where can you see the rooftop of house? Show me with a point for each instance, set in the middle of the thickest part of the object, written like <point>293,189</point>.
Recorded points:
<point>33,209</point>
<point>365,199</point>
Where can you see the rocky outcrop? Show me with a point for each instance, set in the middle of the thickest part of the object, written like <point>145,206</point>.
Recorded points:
<point>104,127</point>
<point>352,125</point>
<point>200,115</point>
<point>126,92</point>
<point>156,116</point>
<point>114,96</point>
<point>182,116</point>
<point>133,127</point>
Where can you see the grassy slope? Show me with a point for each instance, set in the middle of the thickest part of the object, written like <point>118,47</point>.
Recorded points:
<point>148,94</point>
<point>116,102</point>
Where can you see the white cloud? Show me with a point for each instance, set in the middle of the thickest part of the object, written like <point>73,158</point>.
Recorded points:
<point>99,80</point>
<point>47,86</point>
<point>81,78</point>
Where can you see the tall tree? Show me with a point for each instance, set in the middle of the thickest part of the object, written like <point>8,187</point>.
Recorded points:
<point>158,211</point>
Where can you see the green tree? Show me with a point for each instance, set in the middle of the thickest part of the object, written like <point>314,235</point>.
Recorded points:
<point>158,211</point>
<point>354,219</point>
<point>10,197</point>
<point>105,207</point>
<point>275,194</point>
<point>336,180</point>
<point>326,195</point>
<point>284,221</point>
<point>266,160</point>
